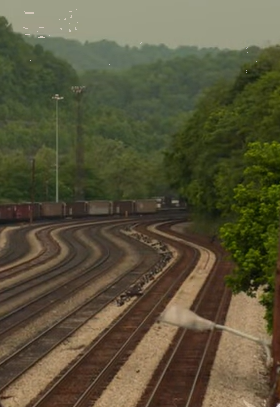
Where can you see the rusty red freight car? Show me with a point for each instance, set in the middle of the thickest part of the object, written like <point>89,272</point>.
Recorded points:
<point>123,208</point>
<point>76,209</point>
<point>7,213</point>
<point>23,211</point>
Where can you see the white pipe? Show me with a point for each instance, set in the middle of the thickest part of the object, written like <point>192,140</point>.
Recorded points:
<point>265,344</point>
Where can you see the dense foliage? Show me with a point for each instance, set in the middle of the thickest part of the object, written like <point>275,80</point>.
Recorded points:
<point>224,156</point>
<point>108,55</point>
<point>127,116</point>
<point>226,162</point>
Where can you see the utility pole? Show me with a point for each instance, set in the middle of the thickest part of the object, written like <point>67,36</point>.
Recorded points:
<point>79,182</point>
<point>32,190</point>
<point>56,97</point>
<point>275,379</point>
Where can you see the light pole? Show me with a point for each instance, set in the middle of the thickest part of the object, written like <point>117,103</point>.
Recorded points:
<point>56,97</point>
<point>79,184</point>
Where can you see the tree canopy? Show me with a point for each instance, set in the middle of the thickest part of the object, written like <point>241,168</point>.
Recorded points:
<point>127,116</point>
<point>108,55</point>
<point>226,163</point>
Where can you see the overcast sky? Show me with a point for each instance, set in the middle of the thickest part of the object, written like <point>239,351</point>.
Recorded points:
<point>209,23</point>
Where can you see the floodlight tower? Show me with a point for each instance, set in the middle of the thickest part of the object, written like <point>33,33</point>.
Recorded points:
<point>79,184</point>
<point>56,97</point>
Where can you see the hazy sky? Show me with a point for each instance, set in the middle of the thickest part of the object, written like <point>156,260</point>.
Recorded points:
<point>223,23</point>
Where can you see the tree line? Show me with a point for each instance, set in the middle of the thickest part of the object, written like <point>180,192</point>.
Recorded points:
<point>226,162</point>
<point>127,119</point>
<point>108,55</point>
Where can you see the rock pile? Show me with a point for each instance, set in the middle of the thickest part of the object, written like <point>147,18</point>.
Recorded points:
<point>166,255</point>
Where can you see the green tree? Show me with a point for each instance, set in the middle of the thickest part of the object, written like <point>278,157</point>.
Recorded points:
<point>252,238</point>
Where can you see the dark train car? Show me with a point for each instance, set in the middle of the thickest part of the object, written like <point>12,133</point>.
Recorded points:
<point>76,209</point>
<point>7,213</point>
<point>167,202</point>
<point>52,210</point>
<point>123,208</point>
<point>182,203</point>
<point>23,211</point>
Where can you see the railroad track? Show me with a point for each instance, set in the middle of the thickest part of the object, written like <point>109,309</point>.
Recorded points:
<point>183,374</point>
<point>18,246</point>
<point>88,377</point>
<point>18,236</point>
<point>50,249</point>
<point>75,277</point>
<point>57,277</point>
<point>23,358</point>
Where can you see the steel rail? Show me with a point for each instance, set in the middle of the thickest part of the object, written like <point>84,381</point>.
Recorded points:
<point>150,313</point>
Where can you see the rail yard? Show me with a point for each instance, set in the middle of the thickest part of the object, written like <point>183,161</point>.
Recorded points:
<point>80,301</point>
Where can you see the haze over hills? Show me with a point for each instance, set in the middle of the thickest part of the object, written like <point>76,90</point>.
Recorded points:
<point>129,114</point>
<point>108,55</point>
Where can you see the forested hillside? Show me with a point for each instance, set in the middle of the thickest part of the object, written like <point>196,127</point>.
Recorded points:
<point>222,107</point>
<point>108,55</point>
<point>127,119</point>
<point>226,162</point>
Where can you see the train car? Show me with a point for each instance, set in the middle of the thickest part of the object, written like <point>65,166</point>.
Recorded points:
<point>52,210</point>
<point>76,209</point>
<point>175,203</point>
<point>145,206</point>
<point>96,208</point>
<point>167,202</point>
<point>123,208</point>
<point>7,213</point>
<point>182,203</point>
<point>23,211</point>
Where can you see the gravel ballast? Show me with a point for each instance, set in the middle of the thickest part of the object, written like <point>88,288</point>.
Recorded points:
<point>4,235</point>
<point>23,391</point>
<point>239,371</point>
<point>31,329</point>
<point>36,245</point>
<point>238,374</point>
<point>136,373</point>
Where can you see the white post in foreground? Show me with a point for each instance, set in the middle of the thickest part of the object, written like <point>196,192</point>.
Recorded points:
<point>185,318</point>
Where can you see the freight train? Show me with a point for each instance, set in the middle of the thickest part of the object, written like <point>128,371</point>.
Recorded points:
<point>81,209</point>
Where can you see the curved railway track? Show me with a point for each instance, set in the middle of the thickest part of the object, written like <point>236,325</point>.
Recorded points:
<point>88,377</point>
<point>16,364</point>
<point>182,377</point>
<point>18,246</point>
<point>69,279</point>
<point>18,236</point>
<point>50,249</point>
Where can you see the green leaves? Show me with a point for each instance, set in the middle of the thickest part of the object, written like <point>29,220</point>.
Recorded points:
<point>227,162</point>
<point>252,238</point>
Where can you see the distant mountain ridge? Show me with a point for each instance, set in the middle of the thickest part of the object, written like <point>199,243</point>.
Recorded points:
<point>108,55</point>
